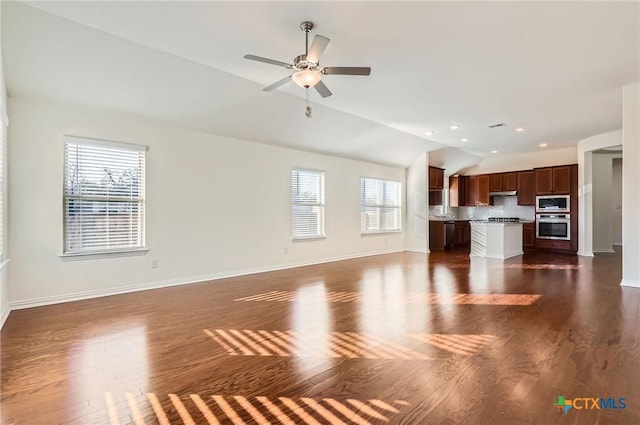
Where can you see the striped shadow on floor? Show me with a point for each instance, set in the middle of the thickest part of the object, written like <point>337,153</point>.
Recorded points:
<point>140,409</point>
<point>289,343</point>
<point>427,298</point>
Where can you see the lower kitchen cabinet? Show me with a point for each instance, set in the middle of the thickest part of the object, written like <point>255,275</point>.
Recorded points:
<point>528,235</point>
<point>462,233</point>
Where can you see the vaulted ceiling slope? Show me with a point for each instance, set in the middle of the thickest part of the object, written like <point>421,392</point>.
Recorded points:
<point>555,68</point>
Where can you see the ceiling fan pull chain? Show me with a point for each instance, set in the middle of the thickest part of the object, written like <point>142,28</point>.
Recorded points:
<point>307,110</point>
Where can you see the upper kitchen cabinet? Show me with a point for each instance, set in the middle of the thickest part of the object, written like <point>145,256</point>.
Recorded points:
<point>477,190</point>
<point>502,182</point>
<point>509,181</point>
<point>526,187</point>
<point>482,196</point>
<point>436,178</point>
<point>553,180</point>
<point>458,191</point>
<point>495,182</point>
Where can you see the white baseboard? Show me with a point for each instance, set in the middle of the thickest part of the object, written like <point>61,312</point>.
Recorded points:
<point>585,254</point>
<point>605,251</point>
<point>419,250</point>
<point>630,282</point>
<point>57,299</point>
<point>5,313</point>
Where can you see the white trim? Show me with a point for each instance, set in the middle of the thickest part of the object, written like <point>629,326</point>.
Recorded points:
<point>77,140</point>
<point>5,117</point>
<point>604,251</point>
<point>56,299</point>
<point>585,254</point>
<point>4,263</point>
<point>418,250</point>
<point>103,254</point>
<point>630,283</point>
<point>5,315</point>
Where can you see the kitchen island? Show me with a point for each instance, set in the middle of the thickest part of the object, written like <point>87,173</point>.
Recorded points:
<point>501,240</point>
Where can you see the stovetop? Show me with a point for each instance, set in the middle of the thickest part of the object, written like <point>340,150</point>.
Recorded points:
<point>504,219</point>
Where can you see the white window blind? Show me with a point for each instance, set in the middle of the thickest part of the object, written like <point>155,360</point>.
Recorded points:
<point>380,206</point>
<point>103,196</point>
<point>307,198</point>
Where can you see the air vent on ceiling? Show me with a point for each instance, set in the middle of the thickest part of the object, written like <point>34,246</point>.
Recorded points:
<point>497,125</point>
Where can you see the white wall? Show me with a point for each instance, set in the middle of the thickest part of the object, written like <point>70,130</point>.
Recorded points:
<point>602,198</point>
<point>4,279</point>
<point>215,206</point>
<point>585,186</point>
<point>417,236</point>
<point>525,161</point>
<point>630,186</point>
<point>616,206</point>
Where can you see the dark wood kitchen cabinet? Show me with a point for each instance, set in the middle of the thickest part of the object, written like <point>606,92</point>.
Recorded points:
<point>553,180</point>
<point>526,187</point>
<point>495,182</point>
<point>436,178</point>
<point>477,191</point>
<point>528,235</point>
<point>462,233</point>
<point>458,191</point>
<point>482,196</point>
<point>509,181</point>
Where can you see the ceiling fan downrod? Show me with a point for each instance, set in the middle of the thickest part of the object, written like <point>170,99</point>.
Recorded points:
<point>306,27</point>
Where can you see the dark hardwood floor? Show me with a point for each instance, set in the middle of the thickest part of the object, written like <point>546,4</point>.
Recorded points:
<point>393,339</point>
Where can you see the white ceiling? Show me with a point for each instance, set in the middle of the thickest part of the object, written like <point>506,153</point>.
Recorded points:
<point>555,68</point>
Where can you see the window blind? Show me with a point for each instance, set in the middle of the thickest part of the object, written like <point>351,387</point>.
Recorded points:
<point>307,199</point>
<point>103,196</point>
<point>380,205</point>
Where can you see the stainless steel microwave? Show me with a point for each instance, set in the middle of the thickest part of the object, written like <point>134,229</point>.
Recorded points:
<point>553,204</point>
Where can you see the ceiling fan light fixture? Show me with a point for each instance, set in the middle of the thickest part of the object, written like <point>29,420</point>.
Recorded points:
<point>306,78</point>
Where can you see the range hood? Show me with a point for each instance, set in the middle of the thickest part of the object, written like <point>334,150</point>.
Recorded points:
<point>504,193</point>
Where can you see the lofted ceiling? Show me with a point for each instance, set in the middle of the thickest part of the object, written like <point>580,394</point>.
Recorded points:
<point>555,68</point>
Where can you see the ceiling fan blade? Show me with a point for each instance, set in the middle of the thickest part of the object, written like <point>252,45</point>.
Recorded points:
<point>317,47</point>
<point>347,70</point>
<point>277,84</point>
<point>269,61</point>
<point>322,89</point>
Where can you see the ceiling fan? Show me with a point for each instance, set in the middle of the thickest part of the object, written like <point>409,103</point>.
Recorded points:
<point>307,70</point>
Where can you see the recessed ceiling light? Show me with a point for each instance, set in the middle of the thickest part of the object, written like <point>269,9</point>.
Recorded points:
<point>520,129</point>
<point>543,145</point>
<point>454,127</point>
<point>494,151</point>
<point>428,133</point>
<point>464,140</point>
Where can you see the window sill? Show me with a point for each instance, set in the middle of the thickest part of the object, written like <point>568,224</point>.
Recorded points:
<point>308,238</point>
<point>96,255</point>
<point>381,232</point>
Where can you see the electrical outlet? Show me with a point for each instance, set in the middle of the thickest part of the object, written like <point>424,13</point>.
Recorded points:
<point>286,251</point>
<point>154,264</point>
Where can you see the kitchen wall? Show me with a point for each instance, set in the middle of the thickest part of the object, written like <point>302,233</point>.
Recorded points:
<point>503,206</point>
<point>215,206</point>
<point>616,206</point>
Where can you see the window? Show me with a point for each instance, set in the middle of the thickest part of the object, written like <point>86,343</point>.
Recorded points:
<point>380,206</point>
<point>103,196</point>
<point>307,199</point>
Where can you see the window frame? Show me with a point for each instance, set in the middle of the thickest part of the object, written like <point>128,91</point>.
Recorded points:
<point>141,202</point>
<point>321,204</point>
<point>398,207</point>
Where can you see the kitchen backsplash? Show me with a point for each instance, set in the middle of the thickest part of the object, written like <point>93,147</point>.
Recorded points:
<point>504,206</point>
